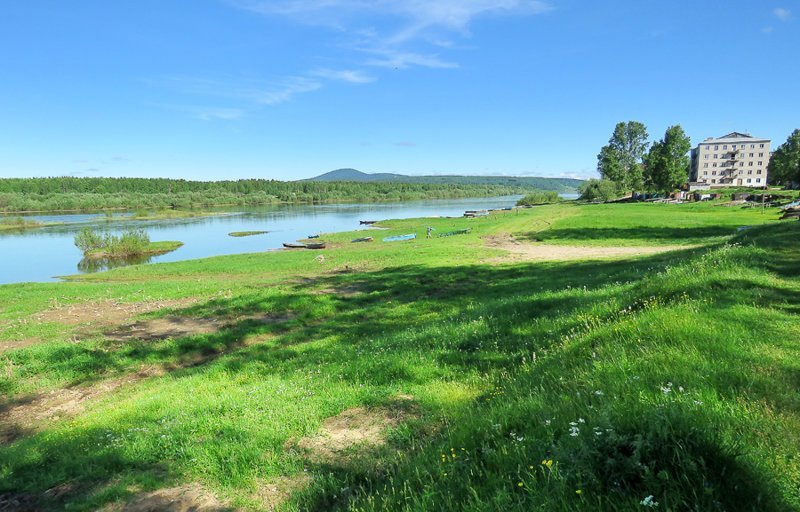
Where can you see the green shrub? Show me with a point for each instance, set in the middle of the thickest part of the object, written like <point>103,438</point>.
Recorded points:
<point>130,243</point>
<point>539,197</point>
<point>88,240</point>
<point>599,190</point>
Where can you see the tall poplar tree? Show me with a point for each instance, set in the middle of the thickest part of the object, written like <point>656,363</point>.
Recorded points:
<point>667,163</point>
<point>621,160</point>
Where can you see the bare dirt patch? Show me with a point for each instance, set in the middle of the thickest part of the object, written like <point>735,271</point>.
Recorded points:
<point>275,492</point>
<point>186,498</point>
<point>355,432</point>
<point>548,252</point>
<point>11,345</point>
<point>27,415</point>
<point>105,313</point>
<point>179,326</point>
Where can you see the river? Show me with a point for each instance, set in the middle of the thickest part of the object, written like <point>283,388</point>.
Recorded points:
<point>41,254</point>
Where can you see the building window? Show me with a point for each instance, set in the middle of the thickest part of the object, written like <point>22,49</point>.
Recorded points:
<point>715,155</point>
<point>749,180</point>
<point>752,146</point>
<point>714,173</point>
<point>706,156</point>
<point>760,164</point>
<point>716,148</point>
<point>733,146</point>
<point>705,165</point>
<point>713,181</point>
<point>758,180</point>
<point>761,145</point>
<point>714,164</point>
<point>758,172</point>
<point>751,155</point>
<point>741,164</point>
<point>761,155</point>
<point>750,171</point>
<point>725,147</point>
<point>750,164</point>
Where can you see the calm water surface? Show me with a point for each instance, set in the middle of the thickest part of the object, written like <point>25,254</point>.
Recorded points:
<point>42,254</point>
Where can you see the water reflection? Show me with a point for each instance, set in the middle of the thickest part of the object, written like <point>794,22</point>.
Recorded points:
<point>87,265</point>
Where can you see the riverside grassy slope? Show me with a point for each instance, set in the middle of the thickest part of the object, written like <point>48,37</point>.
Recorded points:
<point>426,375</point>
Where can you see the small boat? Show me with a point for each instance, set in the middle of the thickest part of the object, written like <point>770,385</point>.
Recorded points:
<point>365,239</point>
<point>317,245</point>
<point>313,236</point>
<point>367,222</point>
<point>456,232</point>
<point>294,245</point>
<point>400,238</point>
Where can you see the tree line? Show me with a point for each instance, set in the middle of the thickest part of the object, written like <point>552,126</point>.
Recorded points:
<point>628,163</point>
<point>73,193</point>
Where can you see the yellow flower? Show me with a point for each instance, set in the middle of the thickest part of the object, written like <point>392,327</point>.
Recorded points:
<point>520,484</point>
<point>579,492</point>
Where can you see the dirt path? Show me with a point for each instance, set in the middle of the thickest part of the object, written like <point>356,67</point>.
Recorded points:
<point>549,252</point>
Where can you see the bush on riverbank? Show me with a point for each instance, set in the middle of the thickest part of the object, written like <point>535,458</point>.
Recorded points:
<point>134,242</point>
<point>539,197</point>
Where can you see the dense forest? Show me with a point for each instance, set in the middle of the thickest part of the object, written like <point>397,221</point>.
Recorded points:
<point>531,182</point>
<point>71,193</point>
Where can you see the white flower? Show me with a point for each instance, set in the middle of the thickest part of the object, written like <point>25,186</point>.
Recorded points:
<point>649,502</point>
<point>598,393</point>
<point>574,431</point>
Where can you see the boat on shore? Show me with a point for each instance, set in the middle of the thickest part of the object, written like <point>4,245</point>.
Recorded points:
<point>316,245</point>
<point>313,236</point>
<point>367,222</point>
<point>290,245</point>
<point>400,238</point>
<point>364,239</point>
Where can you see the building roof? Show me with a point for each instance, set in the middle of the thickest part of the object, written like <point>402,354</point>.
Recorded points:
<point>734,137</point>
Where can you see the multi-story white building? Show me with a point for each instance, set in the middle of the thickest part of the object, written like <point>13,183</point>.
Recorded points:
<point>733,160</point>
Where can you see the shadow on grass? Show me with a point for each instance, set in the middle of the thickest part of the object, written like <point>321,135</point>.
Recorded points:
<point>368,335</point>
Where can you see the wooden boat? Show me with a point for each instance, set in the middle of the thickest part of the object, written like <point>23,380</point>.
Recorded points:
<point>367,222</point>
<point>313,236</point>
<point>294,245</point>
<point>318,245</point>
<point>365,239</point>
<point>400,238</point>
<point>456,232</point>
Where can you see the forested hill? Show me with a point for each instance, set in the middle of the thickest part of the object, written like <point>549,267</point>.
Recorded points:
<point>72,193</point>
<point>540,183</point>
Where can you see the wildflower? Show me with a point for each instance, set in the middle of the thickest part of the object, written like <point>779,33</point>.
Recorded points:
<point>574,431</point>
<point>520,484</point>
<point>599,393</point>
<point>581,420</point>
<point>649,502</point>
<point>548,463</point>
<point>579,492</point>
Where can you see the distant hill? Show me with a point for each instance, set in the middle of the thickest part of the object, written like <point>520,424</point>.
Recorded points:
<point>557,184</point>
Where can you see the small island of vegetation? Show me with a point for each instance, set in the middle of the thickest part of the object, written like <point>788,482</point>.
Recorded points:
<point>239,234</point>
<point>131,243</point>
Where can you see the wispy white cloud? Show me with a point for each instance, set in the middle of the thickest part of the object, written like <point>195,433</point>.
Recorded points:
<point>281,91</point>
<point>345,75</point>
<point>406,144</point>
<point>410,21</point>
<point>390,58</point>
<point>782,14</point>
<point>202,112</point>
<point>767,30</point>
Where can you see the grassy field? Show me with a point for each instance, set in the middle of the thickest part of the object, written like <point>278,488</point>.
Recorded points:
<point>454,373</point>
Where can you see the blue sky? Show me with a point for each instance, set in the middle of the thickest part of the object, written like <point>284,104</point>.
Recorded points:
<point>223,89</point>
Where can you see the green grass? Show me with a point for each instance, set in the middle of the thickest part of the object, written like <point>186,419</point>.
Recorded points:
<point>151,249</point>
<point>679,370</point>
